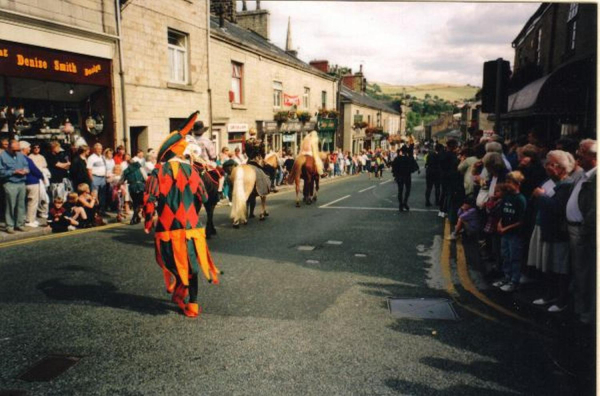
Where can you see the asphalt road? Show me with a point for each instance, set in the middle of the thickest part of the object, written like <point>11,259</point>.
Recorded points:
<point>284,321</point>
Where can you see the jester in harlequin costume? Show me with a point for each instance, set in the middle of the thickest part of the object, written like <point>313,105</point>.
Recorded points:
<point>175,192</point>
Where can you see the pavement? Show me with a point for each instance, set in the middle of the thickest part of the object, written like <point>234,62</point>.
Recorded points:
<point>302,309</point>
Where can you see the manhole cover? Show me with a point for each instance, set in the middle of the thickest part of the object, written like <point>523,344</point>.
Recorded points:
<point>49,368</point>
<point>306,248</point>
<point>360,255</point>
<point>334,242</point>
<point>312,261</point>
<point>422,308</point>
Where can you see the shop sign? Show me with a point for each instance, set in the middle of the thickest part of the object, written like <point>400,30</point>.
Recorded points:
<point>270,126</point>
<point>291,126</point>
<point>18,60</point>
<point>358,118</point>
<point>289,137</point>
<point>290,100</point>
<point>309,126</point>
<point>233,127</point>
<point>327,124</point>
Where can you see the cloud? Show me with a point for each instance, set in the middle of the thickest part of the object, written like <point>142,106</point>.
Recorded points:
<point>401,42</point>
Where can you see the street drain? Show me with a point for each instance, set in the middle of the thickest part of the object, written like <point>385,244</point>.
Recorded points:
<point>306,248</point>
<point>422,308</point>
<point>49,368</point>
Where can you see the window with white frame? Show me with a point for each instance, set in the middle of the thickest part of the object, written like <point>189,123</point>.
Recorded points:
<point>237,73</point>
<point>306,98</point>
<point>277,93</point>
<point>178,59</point>
<point>323,99</point>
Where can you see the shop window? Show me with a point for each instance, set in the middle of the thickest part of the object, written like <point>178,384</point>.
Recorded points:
<point>571,36</point>
<point>237,70</point>
<point>277,93</point>
<point>178,59</point>
<point>306,98</point>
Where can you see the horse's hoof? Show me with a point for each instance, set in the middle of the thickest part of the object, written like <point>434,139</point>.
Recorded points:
<point>251,216</point>
<point>245,222</point>
<point>261,217</point>
<point>314,199</point>
<point>236,225</point>
<point>297,204</point>
<point>266,214</point>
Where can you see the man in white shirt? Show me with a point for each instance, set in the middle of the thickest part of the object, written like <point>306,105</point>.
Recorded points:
<point>96,166</point>
<point>581,221</point>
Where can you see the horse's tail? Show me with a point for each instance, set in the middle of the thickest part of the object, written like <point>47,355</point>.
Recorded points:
<point>295,173</point>
<point>238,204</point>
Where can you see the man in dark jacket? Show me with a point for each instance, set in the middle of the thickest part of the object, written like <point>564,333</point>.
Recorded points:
<point>402,168</point>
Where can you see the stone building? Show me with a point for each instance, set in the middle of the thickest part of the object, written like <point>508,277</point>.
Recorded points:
<point>553,86</point>
<point>165,46</point>
<point>59,67</point>
<point>256,84</point>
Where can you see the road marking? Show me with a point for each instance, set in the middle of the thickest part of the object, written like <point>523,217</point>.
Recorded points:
<point>360,255</point>
<point>369,208</point>
<point>332,202</point>
<point>60,235</point>
<point>387,181</point>
<point>445,262</point>
<point>306,248</point>
<point>312,261</point>
<point>368,188</point>
<point>468,285</point>
<point>334,242</point>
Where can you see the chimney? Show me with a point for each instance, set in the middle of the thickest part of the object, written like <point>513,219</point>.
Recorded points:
<point>256,20</point>
<point>225,9</point>
<point>322,65</point>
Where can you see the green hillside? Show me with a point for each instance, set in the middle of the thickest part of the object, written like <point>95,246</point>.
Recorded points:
<point>447,92</point>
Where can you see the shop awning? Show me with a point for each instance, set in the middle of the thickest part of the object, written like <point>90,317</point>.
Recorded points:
<point>566,91</point>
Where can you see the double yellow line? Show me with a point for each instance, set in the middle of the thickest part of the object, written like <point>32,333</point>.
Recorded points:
<point>60,235</point>
<point>466,281</point>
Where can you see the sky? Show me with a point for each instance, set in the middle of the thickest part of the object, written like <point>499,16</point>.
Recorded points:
<point>404,43</point>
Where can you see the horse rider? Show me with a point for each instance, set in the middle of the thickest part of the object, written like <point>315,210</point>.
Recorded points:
<point>255,151</point>
<point>208,151</point>
<point>310,146</point>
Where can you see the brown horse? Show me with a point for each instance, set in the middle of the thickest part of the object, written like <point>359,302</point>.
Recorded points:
<point>305,168</point>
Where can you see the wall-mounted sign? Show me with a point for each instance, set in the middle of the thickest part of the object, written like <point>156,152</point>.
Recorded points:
<point>290,100</point>
<point>327,124</point>
<point>18,60</point>
<point>237,127</point>
<point>289,137</point>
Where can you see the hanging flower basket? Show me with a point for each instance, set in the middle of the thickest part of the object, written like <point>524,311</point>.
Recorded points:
<point>281,116</point>
<point>303,116</point>
<point>360,125</point>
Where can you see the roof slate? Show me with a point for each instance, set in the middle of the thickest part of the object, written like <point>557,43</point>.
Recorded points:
<point>254,40</point>
<point>363,99</point>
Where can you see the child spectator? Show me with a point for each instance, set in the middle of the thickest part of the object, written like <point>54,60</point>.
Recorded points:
<point>468,220</point>
<point>75,212</point>
<point>509,227</point>
<point>58,220</point>
<point>135,177</point>
<point>90,204</point>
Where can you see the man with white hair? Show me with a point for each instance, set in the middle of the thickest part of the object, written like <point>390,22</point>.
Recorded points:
<point>581,222</point>
<point>32,185</point>
<point>13,171</point>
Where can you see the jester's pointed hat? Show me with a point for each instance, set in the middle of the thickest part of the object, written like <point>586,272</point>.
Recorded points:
<point>175,143</point>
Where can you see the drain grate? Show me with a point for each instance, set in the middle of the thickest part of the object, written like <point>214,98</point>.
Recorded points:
<point>422,308</point>
<point>49,368</point>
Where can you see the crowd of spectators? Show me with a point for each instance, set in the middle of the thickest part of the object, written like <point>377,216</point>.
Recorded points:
<point>527,208</point>
<point>66,188</point>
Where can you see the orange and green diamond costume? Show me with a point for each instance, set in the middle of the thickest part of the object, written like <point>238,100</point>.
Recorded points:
<point>175,192</point>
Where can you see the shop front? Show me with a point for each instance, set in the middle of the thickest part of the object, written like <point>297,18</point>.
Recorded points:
<point>236,133</point>
<point>327,127</point>
<point>286,136</point>
<point>48,94</point>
